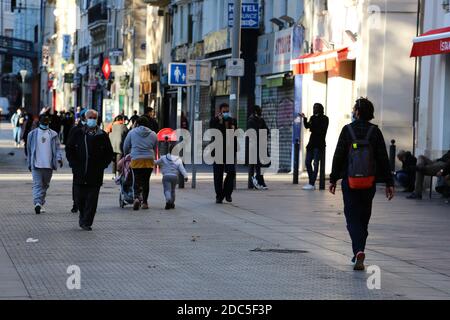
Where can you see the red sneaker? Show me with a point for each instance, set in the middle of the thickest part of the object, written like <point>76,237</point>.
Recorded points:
<point>359,264</point>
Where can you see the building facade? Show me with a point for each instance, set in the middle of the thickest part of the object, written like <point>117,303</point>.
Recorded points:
<point>350,48</point>
<point>433,96</point>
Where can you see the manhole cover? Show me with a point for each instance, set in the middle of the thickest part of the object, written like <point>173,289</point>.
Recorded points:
<point>279,250</point>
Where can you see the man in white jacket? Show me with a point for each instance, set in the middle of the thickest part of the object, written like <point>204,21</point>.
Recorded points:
<point>170,167</point>
<point>44,155</point>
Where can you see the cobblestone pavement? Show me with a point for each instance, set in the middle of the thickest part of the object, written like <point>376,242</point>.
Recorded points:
<point>283,243</point>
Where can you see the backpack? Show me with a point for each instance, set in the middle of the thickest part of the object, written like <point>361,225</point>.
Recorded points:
<point>361,162</point>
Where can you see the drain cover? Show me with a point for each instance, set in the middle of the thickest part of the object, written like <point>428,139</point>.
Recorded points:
<point>279,250</point>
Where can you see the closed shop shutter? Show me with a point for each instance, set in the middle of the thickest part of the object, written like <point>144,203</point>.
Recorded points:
<point>278,111</point>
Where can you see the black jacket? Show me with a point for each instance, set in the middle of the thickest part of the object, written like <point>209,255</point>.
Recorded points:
<point>318,125</point>
<point>222,127</point>
<point>153,124</point>
<point>445,157</point>
<point>88,156</point>
<point>382,166</point>
<point>256,123</point>
<point>409,163</point>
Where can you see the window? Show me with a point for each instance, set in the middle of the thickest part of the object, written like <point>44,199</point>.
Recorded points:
<point>36,34</point>
<point>7,6</point>
<point>9,33</point>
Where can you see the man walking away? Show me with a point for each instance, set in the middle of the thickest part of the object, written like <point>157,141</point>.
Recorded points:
<point>89,153</point>
<point>117,136</point>
<point>360,161</point>
<point>222,122</point>
<point>170,167</point>
<point>44,154</point>
<point>149,113</point>
<point>134,118</point>
<point>318,125</point>
<point>257,123</point>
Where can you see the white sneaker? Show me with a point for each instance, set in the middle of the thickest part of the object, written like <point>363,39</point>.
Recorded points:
<point>42,209</point>
<point>309,187</point>
<point>255,182</point>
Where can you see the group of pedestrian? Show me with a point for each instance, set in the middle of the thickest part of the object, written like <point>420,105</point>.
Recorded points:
<point>90,150</point>
<point>360,160</point>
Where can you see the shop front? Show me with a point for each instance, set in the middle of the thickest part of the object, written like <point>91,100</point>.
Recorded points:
<point>433,49</point>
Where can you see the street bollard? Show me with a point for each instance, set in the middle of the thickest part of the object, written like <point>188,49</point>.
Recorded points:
<point>392,152</point>
<point>322,170</point>
<point>296,161</point>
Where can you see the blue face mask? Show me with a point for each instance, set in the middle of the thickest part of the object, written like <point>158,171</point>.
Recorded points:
<point>91,123</point>
<point>43,126</point>
<point>226,115</point>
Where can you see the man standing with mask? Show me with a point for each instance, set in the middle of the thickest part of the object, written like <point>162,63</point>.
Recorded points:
<point>223,122</point>
<point>89,153</point>
<point>318,125</point>
<point>44,155</point>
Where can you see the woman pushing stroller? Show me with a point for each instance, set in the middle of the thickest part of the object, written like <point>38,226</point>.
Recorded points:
<point>141,143</point>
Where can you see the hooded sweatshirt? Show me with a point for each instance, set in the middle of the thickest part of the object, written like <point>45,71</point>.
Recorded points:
<point>140,143</point>
<point>171,165</point>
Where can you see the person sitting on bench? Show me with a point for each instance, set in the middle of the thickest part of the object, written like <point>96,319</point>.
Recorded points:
<point>427,167</point>
<point>407,176</point>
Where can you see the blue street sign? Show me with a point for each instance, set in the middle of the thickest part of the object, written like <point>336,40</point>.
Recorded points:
<point>249,15</point>
<point>177,74</point>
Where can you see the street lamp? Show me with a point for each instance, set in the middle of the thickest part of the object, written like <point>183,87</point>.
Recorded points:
<point>23,73</point>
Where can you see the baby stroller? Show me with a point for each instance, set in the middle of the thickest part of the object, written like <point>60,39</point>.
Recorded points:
<point>126,181</point>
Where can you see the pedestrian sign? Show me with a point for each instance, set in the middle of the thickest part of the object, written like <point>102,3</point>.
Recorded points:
<point>249,15</point>
<point>177,74</point>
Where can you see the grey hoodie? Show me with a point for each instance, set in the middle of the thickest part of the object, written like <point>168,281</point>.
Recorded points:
<point>171,165</point>
<point>140,143</point>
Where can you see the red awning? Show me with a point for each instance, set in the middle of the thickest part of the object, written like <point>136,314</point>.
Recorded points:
<point>319,61</point>
<point>432,42</point>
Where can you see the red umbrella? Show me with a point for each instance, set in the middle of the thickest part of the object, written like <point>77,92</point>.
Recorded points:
<point>167,133</point>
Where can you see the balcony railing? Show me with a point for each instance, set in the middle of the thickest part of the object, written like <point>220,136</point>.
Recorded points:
<point>157,3</point>
<point>98,14</point>
<point>17,47</point>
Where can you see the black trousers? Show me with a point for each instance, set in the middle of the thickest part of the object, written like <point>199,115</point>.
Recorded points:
<point>357,210</point>
<point>224,188</point>
<point>74,196</point>
<point>86,198</point>
<point>142,183</point>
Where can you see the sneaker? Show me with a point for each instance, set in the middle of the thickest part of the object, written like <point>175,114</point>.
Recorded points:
<point>42,209</point>
<point>74,209</point>
<point>86,228</point>
<point>229,199</point>
<point>264,187</point>
<point>37,208</point>
<point>168,206</point>
<point>219,200</point>
<point>359,261</point>
<point>414,196</point>
<point>136,204</point>
<point>172,206</point>
<point>255,182</point>
<point>144,206</point>
<point>309,187</point>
